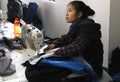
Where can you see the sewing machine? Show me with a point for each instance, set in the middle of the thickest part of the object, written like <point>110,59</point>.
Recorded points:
<point>32,35</point>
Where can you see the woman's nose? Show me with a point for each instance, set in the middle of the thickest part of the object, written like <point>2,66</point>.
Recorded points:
<point>66,14</point>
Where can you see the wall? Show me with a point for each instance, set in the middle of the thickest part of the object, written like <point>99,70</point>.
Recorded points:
<point>26,1</point>
<point>0,4</point>
<point>53,17</point>
<point>114,25</point>
<point>4,5</point>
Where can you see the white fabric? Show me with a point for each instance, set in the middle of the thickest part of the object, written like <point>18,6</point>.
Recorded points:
<point>36,58</point>
<point>18,56</point>
<point>7,30</point>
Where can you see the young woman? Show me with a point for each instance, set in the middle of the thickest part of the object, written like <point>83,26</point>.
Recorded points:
<point>83,38</point>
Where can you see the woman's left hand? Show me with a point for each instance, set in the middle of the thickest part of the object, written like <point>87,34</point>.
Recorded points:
<point>49,52</point>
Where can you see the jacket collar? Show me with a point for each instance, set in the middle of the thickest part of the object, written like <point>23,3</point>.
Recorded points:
<point>80,22</point>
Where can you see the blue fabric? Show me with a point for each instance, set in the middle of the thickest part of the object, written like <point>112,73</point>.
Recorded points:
<point>116,77</point>
<point>74,65</point>
<point>32,8</point>
<point>39,26</point>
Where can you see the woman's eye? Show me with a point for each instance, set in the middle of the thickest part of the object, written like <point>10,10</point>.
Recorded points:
<point>70,10</point>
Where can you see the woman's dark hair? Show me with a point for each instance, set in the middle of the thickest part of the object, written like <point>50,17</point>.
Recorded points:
<point>82,7</point>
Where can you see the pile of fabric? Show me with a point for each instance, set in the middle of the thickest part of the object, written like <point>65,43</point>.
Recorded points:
<point>6,66</point>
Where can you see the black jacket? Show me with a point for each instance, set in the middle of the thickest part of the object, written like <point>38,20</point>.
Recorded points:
<point>83,38</point>
<point>14,10</point>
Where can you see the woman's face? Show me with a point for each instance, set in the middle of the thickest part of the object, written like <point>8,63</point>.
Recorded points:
<point>71,14</point>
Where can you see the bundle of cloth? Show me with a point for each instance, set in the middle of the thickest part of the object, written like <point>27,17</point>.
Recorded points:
<point>78,66</point>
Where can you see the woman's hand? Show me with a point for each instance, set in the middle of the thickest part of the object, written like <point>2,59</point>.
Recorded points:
<point>49,52</point>
<point>50,47</point>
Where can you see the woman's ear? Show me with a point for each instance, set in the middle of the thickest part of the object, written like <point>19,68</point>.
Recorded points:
<point>80,14</point>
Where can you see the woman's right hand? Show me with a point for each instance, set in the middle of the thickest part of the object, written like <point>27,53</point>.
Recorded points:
<point>50,47</point>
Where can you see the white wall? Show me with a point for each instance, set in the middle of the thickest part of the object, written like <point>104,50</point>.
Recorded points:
<point>26,1</point>
<point>114,25</point>
<point>4,5</point>
<point>53,17</point>
<point>0,4</point>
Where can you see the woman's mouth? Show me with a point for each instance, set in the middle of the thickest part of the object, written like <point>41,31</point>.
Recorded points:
<point>66,18</point>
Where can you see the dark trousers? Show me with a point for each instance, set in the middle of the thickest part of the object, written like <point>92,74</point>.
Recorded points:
<point>50,74</point>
